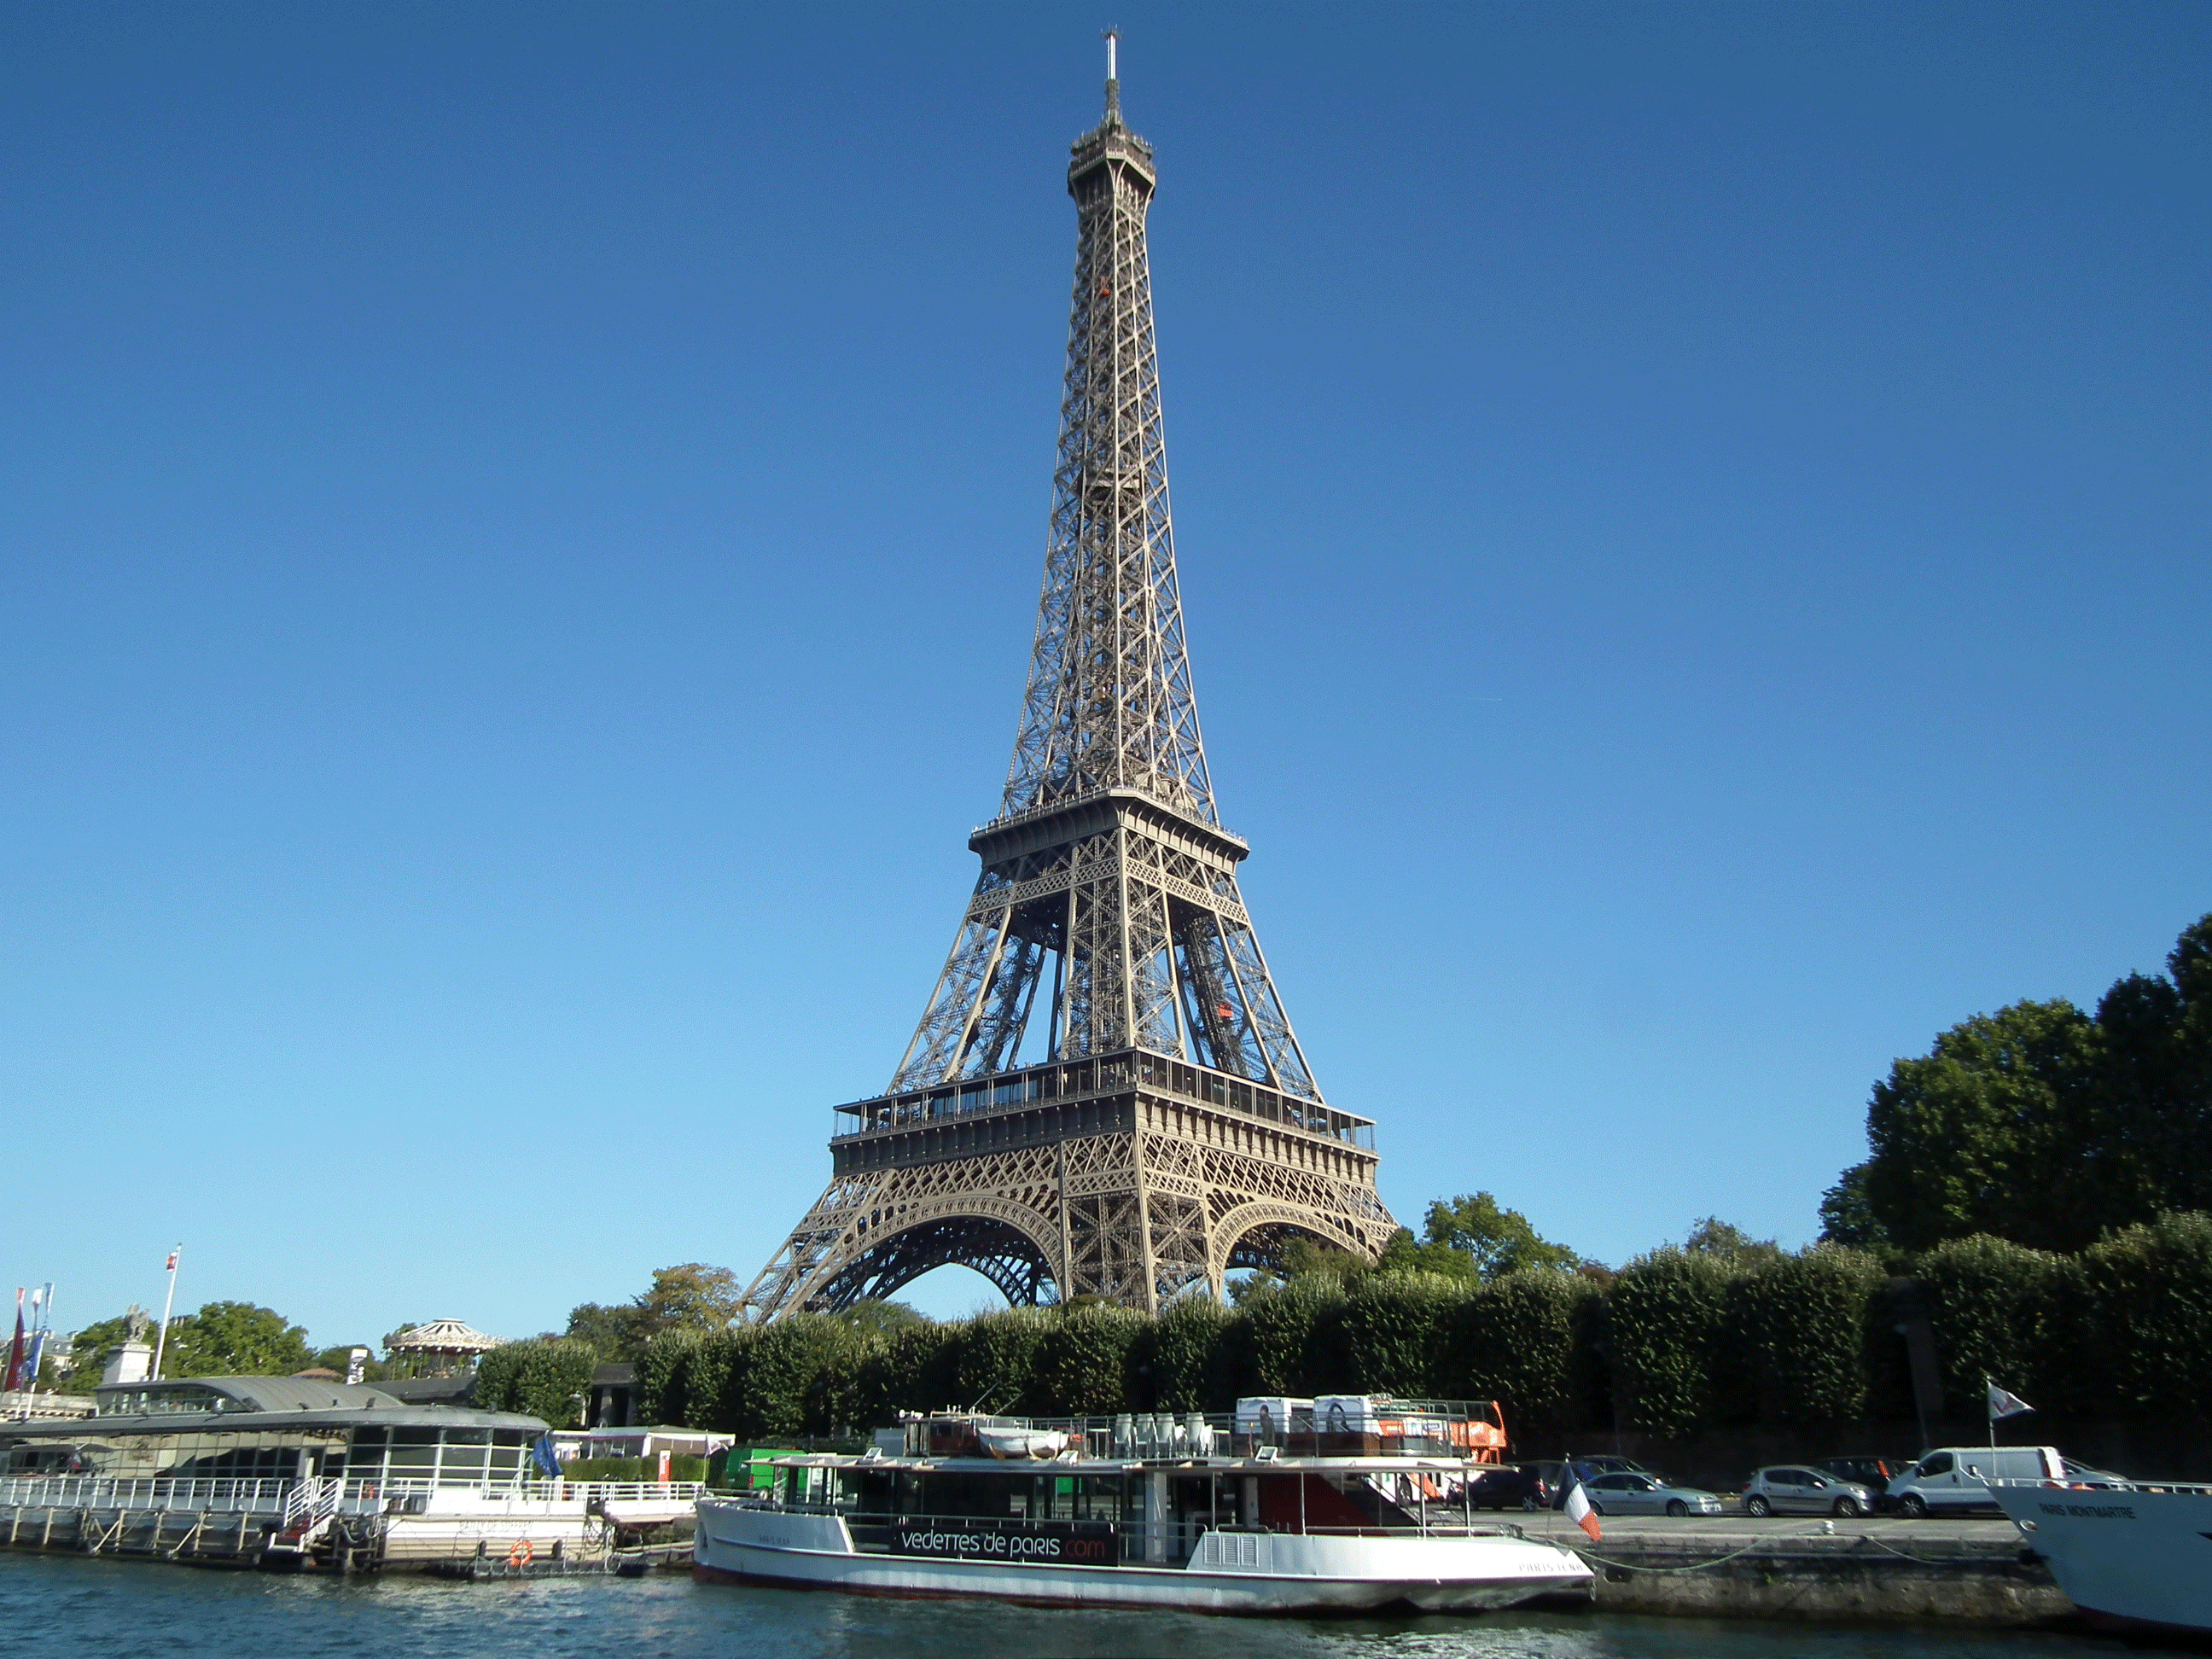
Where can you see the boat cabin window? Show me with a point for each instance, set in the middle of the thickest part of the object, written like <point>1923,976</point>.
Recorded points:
<point>199,1455</point>
<point>447,1457</point>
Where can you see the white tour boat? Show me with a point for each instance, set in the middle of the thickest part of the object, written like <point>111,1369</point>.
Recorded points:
<point>1262,1513</point>
<point>2131,1555</point>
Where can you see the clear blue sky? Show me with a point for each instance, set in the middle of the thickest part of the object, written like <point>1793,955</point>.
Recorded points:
<point>520,529</point>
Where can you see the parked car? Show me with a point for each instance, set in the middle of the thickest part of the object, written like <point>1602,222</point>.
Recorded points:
<point>1793,1489</point>
<point>1522,1488</point>
<point>1875,1474</point>
<point>1951,1478</point>
<point>1645,1494</point>
<point>1554,1473</point>
<point>1615,1466</point>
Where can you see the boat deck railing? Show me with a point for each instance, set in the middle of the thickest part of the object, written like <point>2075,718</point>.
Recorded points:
<point>1176,1436</point>
<point>274,1497</point>
<point>2174,1488</point>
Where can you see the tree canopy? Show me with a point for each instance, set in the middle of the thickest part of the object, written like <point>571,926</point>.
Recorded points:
<point>688,1297</point>
<point>1472,1236</point>
<point>1713,1236</point>
<point>223,1339</point>
<point>2042,1124</point>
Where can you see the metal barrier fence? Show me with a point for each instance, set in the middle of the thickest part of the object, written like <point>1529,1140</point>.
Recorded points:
<point>93,1491</point>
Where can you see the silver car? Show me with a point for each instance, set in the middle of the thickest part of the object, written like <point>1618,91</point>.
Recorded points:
<point>1647,1494</point>
<point>1792,1489</point>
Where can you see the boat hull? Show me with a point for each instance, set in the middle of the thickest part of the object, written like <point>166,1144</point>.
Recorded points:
<point>1229,1573</point>
<point>2129,1559</point>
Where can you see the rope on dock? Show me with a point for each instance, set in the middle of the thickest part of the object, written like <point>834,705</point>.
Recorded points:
<point>1757,1544</point>
<point>1595,1559</point>
<point>1922,1561</point>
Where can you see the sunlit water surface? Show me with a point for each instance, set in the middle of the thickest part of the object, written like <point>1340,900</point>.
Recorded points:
<point>67,1605</point>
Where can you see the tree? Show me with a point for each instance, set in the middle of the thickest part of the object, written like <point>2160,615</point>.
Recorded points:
<point>873,1316</point>
<point>89,1349</point>
<point>1987,1134</point>
<point>692,1296</point>
<point>2042,1124</point>
<point>1473,1234</point>
<point>688,1297</point>
<point>617,1333</point>
<point>1714,1237</point>
<point>1847,1217</point>
<point>1305,1260</point>
<point>235,1339</point>
<point>2153,1102</point>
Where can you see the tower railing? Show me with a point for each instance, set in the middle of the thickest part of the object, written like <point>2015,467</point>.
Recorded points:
<point>1105,1074</point>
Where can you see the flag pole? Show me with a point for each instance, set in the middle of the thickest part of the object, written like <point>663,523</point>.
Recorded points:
<point>161,1342</point>
<point>39,1341</point>
<point>1990,1405</point>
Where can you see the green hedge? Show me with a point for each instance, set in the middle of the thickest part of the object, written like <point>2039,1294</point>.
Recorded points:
<point>2143,1307</point>
<point>1997,1308</point>
<point>680,1468</point>
<point>1799,1329</point>
<point>1666,1325</point>
<point>1191,1361</point>
<point>1514,1342</point>
<point>547,1377</point>
<point>1681,1341</point>
<point>1397,1330</point>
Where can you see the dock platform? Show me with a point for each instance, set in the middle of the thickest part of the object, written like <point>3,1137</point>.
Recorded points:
<point>1967,1572</point>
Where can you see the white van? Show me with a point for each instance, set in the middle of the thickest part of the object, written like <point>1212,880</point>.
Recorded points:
<point>1951,1478</point>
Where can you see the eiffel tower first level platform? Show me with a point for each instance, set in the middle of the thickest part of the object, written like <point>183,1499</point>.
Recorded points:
<point>1104,1096</point>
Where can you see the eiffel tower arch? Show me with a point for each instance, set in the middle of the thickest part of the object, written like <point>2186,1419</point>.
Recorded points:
<point>1104,1096</point>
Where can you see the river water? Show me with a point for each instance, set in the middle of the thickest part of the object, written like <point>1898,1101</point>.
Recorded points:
<point>58,1605</point>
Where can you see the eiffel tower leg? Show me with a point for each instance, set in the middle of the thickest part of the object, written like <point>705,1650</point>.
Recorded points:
<point>1150,1267</point>
<point>869,1235</point>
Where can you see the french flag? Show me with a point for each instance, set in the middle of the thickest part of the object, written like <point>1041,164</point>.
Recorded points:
<point>1578,1507</point>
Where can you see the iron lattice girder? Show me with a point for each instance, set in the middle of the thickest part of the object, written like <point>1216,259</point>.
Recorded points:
<point>1106,929</point>
<point>1136,1215</point>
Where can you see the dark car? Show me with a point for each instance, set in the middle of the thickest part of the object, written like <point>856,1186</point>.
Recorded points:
<point>1875,1474</point>
<point>1523,1488</point>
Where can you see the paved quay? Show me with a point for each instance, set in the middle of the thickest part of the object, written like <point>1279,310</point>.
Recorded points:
<point>1957,1570</point>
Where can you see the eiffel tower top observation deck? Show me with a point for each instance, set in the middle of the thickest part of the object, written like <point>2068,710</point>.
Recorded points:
<point>1105,1094</point>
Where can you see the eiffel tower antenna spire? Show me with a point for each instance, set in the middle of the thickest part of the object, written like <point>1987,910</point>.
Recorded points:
<point>1103,1095</point>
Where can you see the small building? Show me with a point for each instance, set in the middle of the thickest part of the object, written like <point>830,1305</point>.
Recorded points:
<point>639,1441</point>
<point>614,1397</point>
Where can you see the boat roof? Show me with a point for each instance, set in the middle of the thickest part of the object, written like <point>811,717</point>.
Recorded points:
<point>259,1404</point>
<point>261,1393</point>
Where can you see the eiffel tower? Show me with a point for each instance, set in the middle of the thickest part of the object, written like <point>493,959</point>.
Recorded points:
<point>1104,1097</point>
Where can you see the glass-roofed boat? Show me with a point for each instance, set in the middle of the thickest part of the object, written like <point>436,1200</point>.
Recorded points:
<point>297,1471</point>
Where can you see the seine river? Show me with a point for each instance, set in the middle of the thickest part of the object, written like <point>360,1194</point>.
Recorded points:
<point>67,1605</point>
